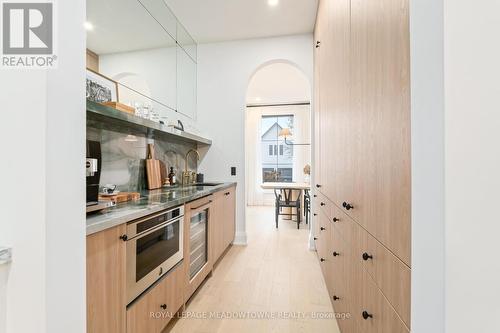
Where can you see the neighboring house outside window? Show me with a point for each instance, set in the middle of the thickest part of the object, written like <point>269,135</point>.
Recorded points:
<point>277,158</point>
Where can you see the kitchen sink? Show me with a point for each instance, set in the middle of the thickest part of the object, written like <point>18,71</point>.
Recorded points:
<point>207,184</point>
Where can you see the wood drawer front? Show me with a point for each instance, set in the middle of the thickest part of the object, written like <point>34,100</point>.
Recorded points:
<point>147,315</point>
<point>337,258</point>
<point>322,241</point>
<point>388,272</point>
<point>384,319</point>
<point>321,203</point>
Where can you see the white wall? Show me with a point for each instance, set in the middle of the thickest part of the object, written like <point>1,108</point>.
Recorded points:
<point>472,90</point>
<point>279,83</point>
<point>427,111</point>
<point>224,71</point>
<point>42,135</point>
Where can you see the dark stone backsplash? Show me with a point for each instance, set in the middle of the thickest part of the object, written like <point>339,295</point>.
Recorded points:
<point>123,162</point>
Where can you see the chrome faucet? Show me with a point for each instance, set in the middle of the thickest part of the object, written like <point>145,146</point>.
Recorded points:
<point>186,175</point>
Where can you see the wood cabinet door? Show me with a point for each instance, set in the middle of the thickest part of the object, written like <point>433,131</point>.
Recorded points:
<point>318,36</point>
<point>218,225</point>
<point>106,284</point>
<point>230,216</point>
<point>380,99</point>
<point>340,144</point>
<point>316,100</point>
<point>152,312</point>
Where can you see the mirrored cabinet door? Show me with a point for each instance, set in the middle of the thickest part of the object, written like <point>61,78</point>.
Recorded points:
<point>147,52</point>
<point>186,84</point>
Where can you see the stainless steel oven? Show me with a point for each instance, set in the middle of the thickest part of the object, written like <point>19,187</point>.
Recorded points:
<point>154,246</point>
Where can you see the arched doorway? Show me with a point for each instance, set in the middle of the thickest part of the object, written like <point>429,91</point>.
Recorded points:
<point>278,96</point>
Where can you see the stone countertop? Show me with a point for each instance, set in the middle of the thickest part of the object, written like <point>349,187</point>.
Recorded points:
<point>149,203</point>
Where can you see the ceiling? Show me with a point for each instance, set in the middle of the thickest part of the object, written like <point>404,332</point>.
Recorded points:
<point>223,20</point>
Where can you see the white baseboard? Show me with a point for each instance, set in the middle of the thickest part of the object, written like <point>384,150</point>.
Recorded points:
<point>240,238</point>
<point>312,245</point>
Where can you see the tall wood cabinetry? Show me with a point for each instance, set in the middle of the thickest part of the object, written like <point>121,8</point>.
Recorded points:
<point>362,201</point>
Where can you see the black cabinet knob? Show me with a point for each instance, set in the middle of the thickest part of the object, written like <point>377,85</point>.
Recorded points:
<point>315,238</point>
<point>336,254</point>
<point>314,214</point>
<point>335,298</point>
<point>322,204</point>
<point>366,256</point>
<point>335,219</point>
<point>347,206</point>
<point>163,306</point>
<point>322,228</point>
<point>124,238</point>
<point>318,185</point>
<point>315,195</point>
<point>366,315</point>
<point>322,259</point>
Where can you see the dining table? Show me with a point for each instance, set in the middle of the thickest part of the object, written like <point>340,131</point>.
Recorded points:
<point>296,188</point>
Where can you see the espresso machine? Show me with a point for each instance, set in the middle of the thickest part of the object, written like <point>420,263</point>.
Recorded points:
<point>93,171</point>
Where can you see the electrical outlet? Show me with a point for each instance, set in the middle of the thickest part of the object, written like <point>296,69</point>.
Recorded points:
<point>233,171</point>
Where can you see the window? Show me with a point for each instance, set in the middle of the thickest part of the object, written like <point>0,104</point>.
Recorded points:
<point>277,157</point>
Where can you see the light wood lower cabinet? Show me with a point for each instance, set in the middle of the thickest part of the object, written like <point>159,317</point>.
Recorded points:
<point>106,285</point>
<point>107,308</point>
<point>152,312</point>
<point>223,221</point>
<point>229,220</point>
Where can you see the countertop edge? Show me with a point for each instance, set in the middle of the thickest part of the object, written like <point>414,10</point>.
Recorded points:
<point>113,222</point>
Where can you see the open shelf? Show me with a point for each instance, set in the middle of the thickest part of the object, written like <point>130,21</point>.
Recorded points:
<point>108,116</point>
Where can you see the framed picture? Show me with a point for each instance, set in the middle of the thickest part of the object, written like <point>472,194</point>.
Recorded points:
<point>100,88</point>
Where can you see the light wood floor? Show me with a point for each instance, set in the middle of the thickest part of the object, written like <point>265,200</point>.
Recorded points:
<point>275,273</point>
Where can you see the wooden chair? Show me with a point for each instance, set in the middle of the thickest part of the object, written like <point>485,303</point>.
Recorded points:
<point>284,200</point>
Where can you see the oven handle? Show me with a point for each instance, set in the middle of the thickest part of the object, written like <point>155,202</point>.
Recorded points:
<point>158,227</point>
<point>205,204</point>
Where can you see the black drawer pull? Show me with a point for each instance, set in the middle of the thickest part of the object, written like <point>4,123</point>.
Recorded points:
<point>124,238</point>
<point>315,195</point>
<point>322,228</point>
<point>335,219</point>
<point>366,256</point>
<point>322,204</point>
<point>318,185</point>
<point>314,214</point>
<point>315,238</point>
<point>336,254</point>
<point>318,43</point>
<point>347,206</point>
<point>163,306</point>
<point>322,259</point>
<point>335,298</point>
<point>366,315</point>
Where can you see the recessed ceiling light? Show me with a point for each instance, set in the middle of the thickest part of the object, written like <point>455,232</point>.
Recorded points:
<point>273,3</point>
<point>88,26</point>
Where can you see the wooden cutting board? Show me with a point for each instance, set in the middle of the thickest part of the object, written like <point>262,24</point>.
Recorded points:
<point>153,170</point>
<point>120,197</point>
